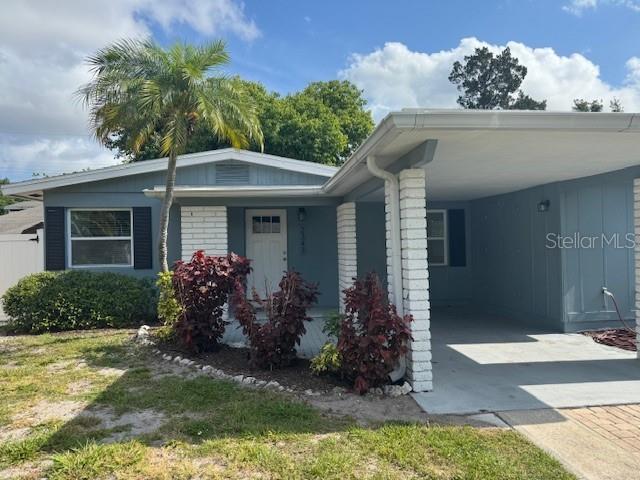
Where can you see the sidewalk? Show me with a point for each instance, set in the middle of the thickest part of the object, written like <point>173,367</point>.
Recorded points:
<point>595,443</point>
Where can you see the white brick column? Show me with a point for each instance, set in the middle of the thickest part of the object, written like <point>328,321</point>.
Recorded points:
<point>347,248</point>
<point>203,228</point>
<point>636,225</point>
<point>387,242</point>
<point>415,276</point>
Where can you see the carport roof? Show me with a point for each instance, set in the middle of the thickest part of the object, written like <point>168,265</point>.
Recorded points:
<point>478,153</point>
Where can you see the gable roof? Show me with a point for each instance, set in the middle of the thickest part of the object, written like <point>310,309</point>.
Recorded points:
<point>35,187</point>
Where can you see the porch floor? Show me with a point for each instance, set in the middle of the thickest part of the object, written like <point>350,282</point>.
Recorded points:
<point>486,363</point>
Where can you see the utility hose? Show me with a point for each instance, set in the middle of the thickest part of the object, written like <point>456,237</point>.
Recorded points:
<point>615,304</point>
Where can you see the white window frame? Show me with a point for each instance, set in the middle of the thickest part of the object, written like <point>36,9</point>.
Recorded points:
<point>70,240</point>
<point>444,238</point>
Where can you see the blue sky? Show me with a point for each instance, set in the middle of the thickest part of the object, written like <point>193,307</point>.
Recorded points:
<point>305,41</point>
<point>398,52</point>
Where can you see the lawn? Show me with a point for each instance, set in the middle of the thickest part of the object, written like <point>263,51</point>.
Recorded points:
<point>90,405</point>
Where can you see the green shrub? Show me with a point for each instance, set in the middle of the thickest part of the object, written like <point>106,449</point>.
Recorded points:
<point>327,361</point>
<point>333,324</point>
<point>169,309</point>
<point>71,300</point>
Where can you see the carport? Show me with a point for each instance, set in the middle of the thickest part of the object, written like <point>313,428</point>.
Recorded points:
<point>496,305</point>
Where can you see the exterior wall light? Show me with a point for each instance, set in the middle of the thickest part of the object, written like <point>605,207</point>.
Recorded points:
<point>543,206</point>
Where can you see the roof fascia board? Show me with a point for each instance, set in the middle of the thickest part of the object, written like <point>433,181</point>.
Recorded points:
<point>239,191</point>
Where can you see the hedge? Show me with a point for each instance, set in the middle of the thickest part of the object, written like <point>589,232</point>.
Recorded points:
<point>78,300</point>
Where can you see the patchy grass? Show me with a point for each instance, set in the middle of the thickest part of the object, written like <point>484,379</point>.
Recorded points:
<point>89,405</point>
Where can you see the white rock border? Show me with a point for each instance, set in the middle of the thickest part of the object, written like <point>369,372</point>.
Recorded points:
<point>143,338</point>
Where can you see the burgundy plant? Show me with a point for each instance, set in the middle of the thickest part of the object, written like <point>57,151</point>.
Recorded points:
<point>203,286</point>
<point>273,344</point>
<point>373,336</point>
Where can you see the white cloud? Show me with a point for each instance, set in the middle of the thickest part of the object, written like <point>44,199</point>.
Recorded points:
<point>50,155</point>
<point>578,7</point>
<point>394,77</point>
<point>42,49</point>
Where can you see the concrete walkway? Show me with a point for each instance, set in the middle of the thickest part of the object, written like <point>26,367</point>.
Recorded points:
<point>483,363</point>
<point>601,443</point>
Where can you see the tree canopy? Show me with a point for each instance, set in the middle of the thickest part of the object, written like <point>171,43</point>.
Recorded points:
<point>323,123</point>
<point>488,81</point>
<point>159,97</point>
<point>4,200</point>
<point>580,105</point>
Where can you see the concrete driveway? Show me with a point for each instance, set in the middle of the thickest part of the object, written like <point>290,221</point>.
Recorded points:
<point>484,363</point>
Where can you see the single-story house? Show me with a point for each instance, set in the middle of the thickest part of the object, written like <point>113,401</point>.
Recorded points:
<point>528,214</point>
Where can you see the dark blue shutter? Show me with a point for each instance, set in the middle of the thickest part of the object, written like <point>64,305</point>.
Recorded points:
<point>54,238</point>
<point>142,251</point>
<point>457,238</point>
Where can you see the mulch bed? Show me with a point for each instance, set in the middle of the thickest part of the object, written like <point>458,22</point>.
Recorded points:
<point>235,361</point>
<point>614,337</point>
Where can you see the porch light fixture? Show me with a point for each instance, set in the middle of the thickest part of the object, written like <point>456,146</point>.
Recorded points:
<point>302,214</point>
<point>543,206</point>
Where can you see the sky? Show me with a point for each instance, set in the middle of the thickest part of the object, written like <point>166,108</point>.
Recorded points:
<point>398,52</point>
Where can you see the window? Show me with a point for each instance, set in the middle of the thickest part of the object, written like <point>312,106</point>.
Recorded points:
<point>265,224</point>
<point>437,237</point>
<point>100,237</point>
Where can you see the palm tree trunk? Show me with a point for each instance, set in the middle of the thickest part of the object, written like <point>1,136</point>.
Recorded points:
<point>164,212</point>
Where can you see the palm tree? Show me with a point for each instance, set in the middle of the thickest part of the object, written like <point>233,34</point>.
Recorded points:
<point>145,90</point>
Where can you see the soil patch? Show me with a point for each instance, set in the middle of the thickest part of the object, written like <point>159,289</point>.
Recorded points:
<point>371,410</point>
<point>79,387</point>
<point>111,372</point>
<point>60,366</point>
<point>614,337</point>
<point>26,470</point>
<point>44,411</point>
<point>139,422</point>
<point>13,434</point>
<point>235,361</point>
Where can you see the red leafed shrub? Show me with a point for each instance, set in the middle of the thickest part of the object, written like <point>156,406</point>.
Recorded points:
<point>273,344</point>
<point>203,286</point>
<point>373,336</point>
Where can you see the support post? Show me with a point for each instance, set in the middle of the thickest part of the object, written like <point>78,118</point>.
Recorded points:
<point>347,248</point>
<point>415,276</point>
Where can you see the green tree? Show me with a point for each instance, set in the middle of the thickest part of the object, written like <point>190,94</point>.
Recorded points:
<point>4,200</point>
<point>525,102</point>
<point>488,81</point>
<point>148,91</point>
<point>615,105</point>
<point>324,123</point>
<point>580,105</point>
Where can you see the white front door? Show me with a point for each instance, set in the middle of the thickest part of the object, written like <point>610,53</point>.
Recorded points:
<point>266,248</point>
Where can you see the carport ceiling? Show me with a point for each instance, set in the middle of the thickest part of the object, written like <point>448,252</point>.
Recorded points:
<point>470,165</point>
<point>477,161</point>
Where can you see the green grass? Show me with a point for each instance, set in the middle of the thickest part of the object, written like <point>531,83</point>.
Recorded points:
<point>213,429</point>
